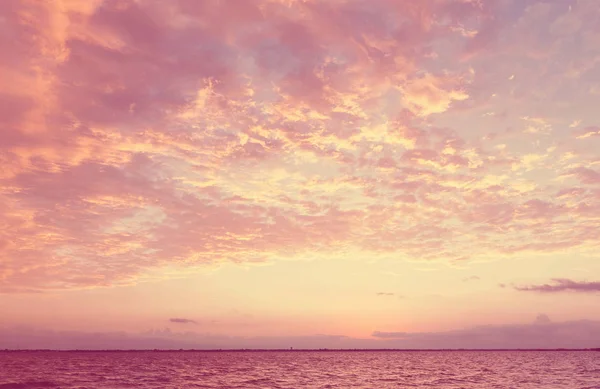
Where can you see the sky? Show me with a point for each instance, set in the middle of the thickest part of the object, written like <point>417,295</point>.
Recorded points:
<point>299,173</point>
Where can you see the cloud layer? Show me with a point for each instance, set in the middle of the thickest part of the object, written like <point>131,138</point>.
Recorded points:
<point>562,285</point>
<point>138,135</point>
<point>541,334</point>
<point>180,320</point>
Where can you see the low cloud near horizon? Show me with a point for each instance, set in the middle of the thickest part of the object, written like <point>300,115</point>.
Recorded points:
<point>182,320</point>
<point>562,285</point>
<point>541,333</point>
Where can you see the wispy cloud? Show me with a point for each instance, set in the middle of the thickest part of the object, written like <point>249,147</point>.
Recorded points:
<point>179,320</point>
<point>471,278</point>
<point>588,132</point>
<point>562,285</point>
<point>385,294</point>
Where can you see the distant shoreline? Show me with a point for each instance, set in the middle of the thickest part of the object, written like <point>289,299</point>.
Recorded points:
<point>324,350</point>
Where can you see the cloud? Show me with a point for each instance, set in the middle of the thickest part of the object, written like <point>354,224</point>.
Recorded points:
<point>182,321</point>
<point>390,335</point>
<point>540,334</point>
<point>542,319</point>
<point>429,94</point>
<point>562,285</point>
<point>385,294</point>
<point>31,338</point>
<point>142,135</point>
<point>588,132</point>
<point>471,278</point>
<point>586,176</point>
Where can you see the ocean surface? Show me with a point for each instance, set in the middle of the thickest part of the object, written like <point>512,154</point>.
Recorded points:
<point>335,369</point>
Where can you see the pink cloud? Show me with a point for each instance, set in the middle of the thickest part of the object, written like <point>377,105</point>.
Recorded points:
<point>136,135</point>
<point>543,334</point>
<point>587,176</point>
<point>180,320</point>
<point>536,335</point>
<point>562,285</point>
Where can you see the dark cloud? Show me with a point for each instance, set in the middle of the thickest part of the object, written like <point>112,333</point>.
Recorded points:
<point>562,285</point>
<point>180,320</point>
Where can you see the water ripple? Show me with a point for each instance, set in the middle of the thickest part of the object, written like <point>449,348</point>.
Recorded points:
<point>287,370</point>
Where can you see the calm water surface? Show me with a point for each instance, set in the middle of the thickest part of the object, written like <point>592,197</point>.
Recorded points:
<point>427,369</point>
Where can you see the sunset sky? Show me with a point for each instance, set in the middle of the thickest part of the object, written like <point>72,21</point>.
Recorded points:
<point>306,173</point>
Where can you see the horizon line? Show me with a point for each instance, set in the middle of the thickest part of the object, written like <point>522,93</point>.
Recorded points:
<point>301,350</point>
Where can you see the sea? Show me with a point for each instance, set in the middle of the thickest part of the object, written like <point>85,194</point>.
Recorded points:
<point>300,369</point>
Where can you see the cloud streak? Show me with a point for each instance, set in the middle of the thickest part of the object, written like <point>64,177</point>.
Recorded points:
<point>180,320</point>
<point>562,285</point>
